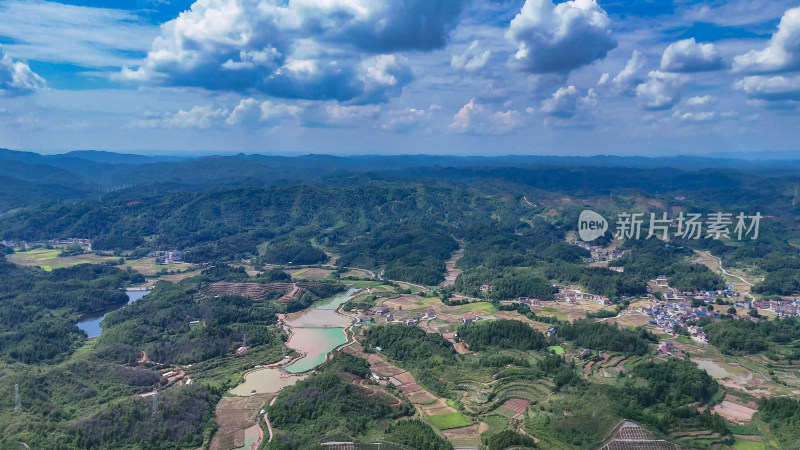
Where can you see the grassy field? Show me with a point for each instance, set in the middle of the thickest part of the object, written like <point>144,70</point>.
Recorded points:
<point>146,267</point>
<point>484,308</point>
<point>496,423</point>
<point>684,339</point>
<point>742,444</point>
<point>48,259</point>
<point>450,420</point>
<point>362,284</point>
<point>424,303</point>
<point>558,314</point>
<point>559,350</point>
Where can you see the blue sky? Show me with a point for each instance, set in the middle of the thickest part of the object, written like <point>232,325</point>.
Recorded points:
<point>486,77</point>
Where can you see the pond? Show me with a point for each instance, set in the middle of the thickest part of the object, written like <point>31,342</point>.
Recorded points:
<point>713,369</point>
<point>317,331</point>
<point>264,381</point>
<point>91,323</point>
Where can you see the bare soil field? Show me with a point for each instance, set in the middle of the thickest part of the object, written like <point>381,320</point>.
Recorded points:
<point>518,405</point>
<point>572,311</point>
<point>466,435</point>
<point>234,415</point>
<point>631,318</point>
<point>404,302</point>
<point>734,412</point>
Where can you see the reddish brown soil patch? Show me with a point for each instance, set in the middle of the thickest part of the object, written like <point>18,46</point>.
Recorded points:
<point>518,405</point>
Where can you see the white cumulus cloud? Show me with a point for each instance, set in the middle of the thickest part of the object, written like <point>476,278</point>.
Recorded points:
<point>703,116</point>
<point>199,117</point>
<point>472,59</point>
<point>559,38</point>
<point>775,88</point>
<point>342,50</point>
<point>407,119</point>
<point>688,56</point>
<point>479,118</point>
<point>628,78</point>
<point>699,100</point>
<point>782,54</point>
<point>251,111</point>
<point>17,78</point>
<point>565,102</point>
<point>334,115</point>
<point>661,91</point>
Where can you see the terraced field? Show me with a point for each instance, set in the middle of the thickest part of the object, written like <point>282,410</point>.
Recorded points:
<point>526,390</point>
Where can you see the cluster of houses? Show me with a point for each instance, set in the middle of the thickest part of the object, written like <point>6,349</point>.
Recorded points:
<point>705,295</point>
<point>571,294</point>
<point>412,322</point>
<point>168,257</point>
<point>667,316</point>
<point>386,312</point>
<point>70,241</point>
<point>785,307</point>
<point>666,347</point>
<point>601,252</point>
<point>13,243</point>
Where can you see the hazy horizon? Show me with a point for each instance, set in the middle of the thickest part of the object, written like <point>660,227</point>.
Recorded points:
<point>743,154</point>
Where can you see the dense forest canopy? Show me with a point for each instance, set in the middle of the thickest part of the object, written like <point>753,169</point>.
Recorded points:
<point>606,336</point>
<point>502,334</point>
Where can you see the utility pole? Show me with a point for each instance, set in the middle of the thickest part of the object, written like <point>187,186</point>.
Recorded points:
<point>154,408</point>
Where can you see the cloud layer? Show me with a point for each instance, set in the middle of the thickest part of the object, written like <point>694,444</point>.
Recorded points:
<point>414,75</point>
<point>287,49</point>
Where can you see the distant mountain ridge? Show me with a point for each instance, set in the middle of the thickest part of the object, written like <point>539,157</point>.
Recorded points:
<point>78,174</point>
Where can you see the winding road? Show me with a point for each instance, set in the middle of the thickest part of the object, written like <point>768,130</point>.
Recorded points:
<point>725,272</point>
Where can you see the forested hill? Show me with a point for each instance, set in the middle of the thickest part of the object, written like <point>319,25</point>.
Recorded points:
<point>86,174</point>
<point>512,223</point>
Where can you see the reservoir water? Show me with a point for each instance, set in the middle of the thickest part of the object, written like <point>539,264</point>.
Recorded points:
<point>91,323</point>
<point>315,332</point>
<point>264,381</point>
